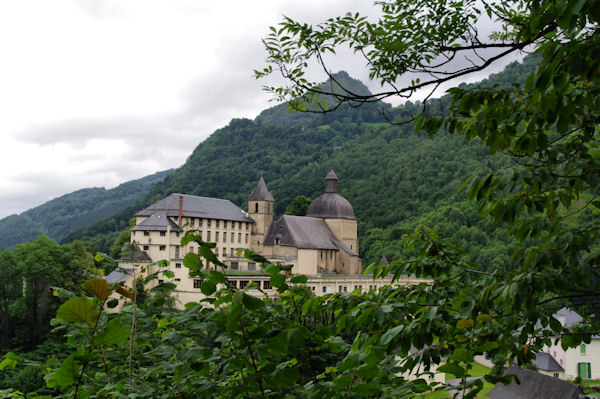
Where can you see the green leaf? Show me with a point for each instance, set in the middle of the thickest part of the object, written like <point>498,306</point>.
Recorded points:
<point>484,318</point>
<point>277,280</point>
<point>365,389</point>
<point>115,333</point>
<point>465,323</point>
<point>192,261</point>
<point>79,310</point>
<point>300,279</point>
<point>390,334</point>
<point>208,287</point>
<point>217,277</point>
<point>252,302</point>
<point>462,355</point>
<point>10,361</point>
<point>452,368</point>
<point>67,372</point>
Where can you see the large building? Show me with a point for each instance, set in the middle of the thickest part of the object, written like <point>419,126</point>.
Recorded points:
<point>322,245</point>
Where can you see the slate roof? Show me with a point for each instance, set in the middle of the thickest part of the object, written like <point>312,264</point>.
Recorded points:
<point>199,207</point>
<point>534,386</point>
<point>545,361</point>
<point>260,192</point>
<point>158,221</point>
<point>305,233</point>
<point>136,254</point>
<point>119,275</point>
<point>568,318</point>
<point>331,205</point>
<point>331,176</point>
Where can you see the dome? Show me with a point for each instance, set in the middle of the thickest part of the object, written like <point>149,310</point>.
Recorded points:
<point>331,204</point>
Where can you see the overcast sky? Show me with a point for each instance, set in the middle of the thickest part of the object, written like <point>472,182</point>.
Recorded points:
<point>94,93</point>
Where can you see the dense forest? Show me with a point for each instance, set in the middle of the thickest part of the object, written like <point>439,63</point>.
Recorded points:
<point>395,178</point>
<point>63,215</point>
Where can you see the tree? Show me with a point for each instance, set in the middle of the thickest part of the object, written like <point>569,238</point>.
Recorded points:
<point>298,206</point>
<point>548,126</point>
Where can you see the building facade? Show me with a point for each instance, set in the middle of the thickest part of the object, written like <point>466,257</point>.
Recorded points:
<point>322,245</point>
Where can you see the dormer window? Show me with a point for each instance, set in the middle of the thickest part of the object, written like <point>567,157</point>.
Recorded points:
<point>146,233</point>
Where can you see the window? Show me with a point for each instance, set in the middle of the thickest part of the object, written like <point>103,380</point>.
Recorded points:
<point>176,251</point>
<point>239,237</point>
<point>197,283</point>
<point>313,287</point>
<point>177,279</point>
<point>216,236</point>
<point>251,266</point>
<point>324,288</point>
<point>240,225</point>
<point>146,247</point>
<point>232,283</point>
<point>232,252</point>
<point>224,224</point>
<point>321,254</point>
<point>216,223</point>
<point>224,252</point>
<point>247,225</point>
<point>224,236</point>
<point>208,236</point>
<point>146,233</point>
<point>234,266</point>
<point>584,370</point>
<point>176,234</point>
<point>232,237</point>
<point>192,222</point>
<point>199,222</point>
<point>243,283</point>
<point>246,239</point>
<point>207,222</point>
<point>257,283</point>
<point>162,233</point>
<point>582,348</point>
<point>555,375</point>
<point>256,207</point>
<point>177,265</point>
<point>162,247</point>
<point>161,281</point>
<point>330,255</point>
<point>266,285</point>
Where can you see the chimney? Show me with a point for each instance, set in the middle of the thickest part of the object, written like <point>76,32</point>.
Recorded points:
<point>180,210</point>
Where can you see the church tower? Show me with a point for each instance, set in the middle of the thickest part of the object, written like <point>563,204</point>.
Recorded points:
<point>260,209</point>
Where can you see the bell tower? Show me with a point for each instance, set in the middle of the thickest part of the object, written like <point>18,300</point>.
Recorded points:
<point>260,209</point>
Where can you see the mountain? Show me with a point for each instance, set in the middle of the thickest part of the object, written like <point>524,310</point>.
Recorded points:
<point>63,215</point>
<point>396,179</point>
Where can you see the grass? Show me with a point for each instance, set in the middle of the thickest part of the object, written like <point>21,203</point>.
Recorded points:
<point>587,383</point>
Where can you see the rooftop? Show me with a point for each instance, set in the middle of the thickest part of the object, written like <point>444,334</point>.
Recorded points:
<point>199,207</point>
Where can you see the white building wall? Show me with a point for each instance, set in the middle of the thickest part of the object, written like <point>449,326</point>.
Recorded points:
<point>574,356</point>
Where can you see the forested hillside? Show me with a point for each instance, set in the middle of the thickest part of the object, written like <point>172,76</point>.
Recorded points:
<point>395,178</point>
<point>65,214</point>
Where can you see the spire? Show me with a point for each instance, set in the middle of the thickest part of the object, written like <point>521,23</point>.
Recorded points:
<point>261,193</point>
<point>331,182</point>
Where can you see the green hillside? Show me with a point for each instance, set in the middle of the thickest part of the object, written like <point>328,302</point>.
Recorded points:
<point>63,215</point>
<point>394,178</point>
